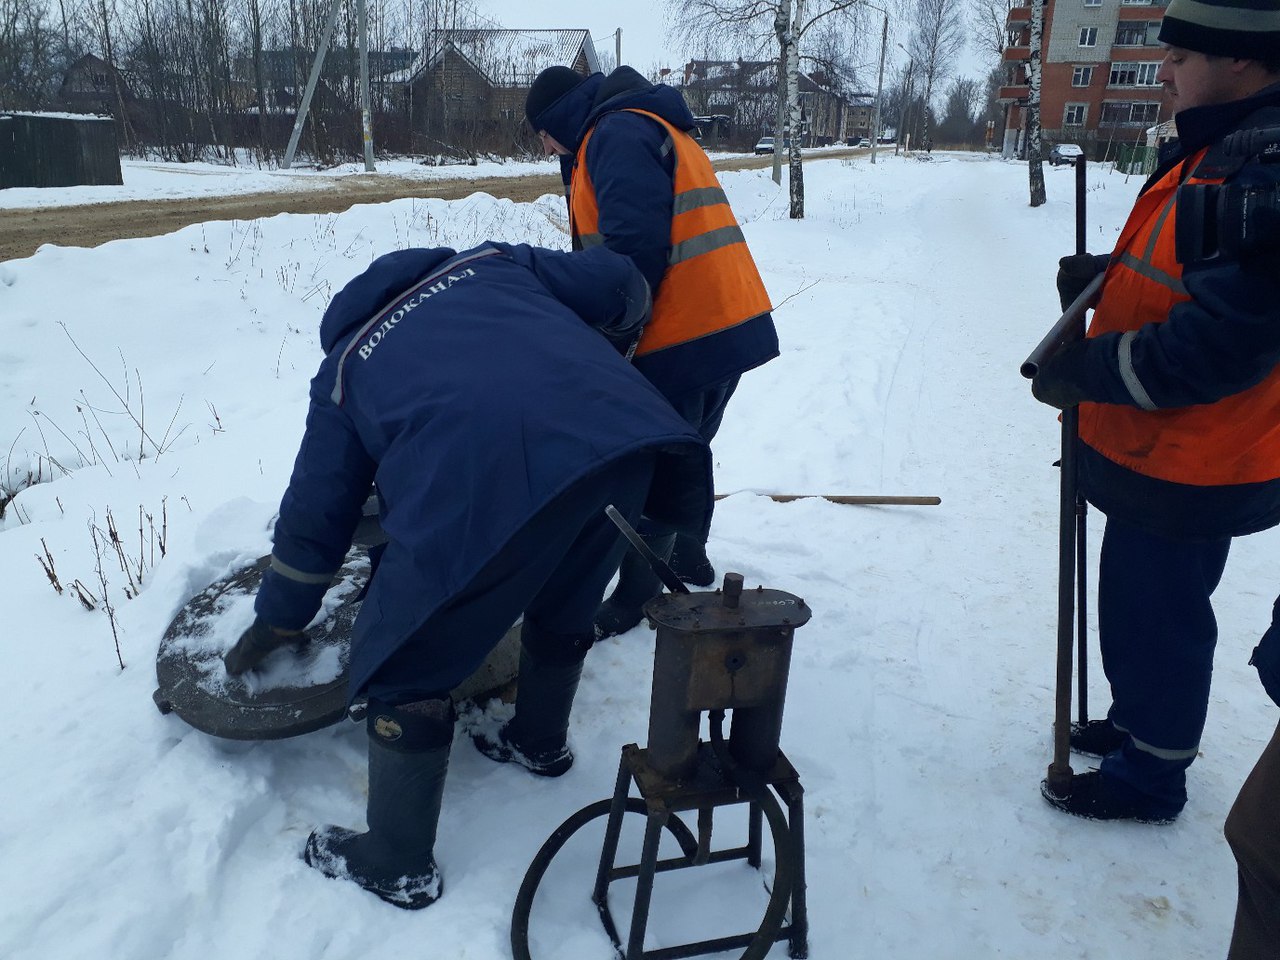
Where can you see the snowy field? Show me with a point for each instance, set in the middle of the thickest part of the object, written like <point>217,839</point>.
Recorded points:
<point>162,383</point>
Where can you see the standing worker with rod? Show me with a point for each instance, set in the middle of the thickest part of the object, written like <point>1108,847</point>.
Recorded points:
<point>1179,409</point>
<point>641,185</point>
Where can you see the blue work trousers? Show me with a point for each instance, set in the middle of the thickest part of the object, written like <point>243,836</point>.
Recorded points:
<point>1157,631</point>
<point>554,572</point>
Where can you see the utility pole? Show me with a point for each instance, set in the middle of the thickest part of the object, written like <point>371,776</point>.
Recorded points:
<point>617,47</point>
<point>305,104</point>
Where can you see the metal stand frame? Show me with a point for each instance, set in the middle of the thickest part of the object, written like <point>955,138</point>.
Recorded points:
<point>707,789</point>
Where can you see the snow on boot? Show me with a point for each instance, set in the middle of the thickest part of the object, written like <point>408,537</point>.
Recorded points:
<point>536,738</point>
<point>1096,738</point>
<point>552,762</point>
<point>689,562</point>
<point>408,759</point>
<point>637,584</point>
<point>1094,796</point>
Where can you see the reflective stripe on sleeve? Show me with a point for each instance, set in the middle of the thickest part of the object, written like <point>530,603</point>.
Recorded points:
<point>299,576</point>
<point>1124,356</point>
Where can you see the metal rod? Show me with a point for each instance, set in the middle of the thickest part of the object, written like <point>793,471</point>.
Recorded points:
<point>1080,204</point>
<point>1082,507</point>
<point>1068,329</point>
<point>1060,772</point>
<point>1082,609</point>
<point>644,884</point>
<point>845,499</point>
<point>656,563</point>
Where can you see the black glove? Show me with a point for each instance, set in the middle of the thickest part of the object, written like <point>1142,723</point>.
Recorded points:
<point>256,643</point>
<point>1266,657</point>
<point>1061,382</point>
<point>1076,272</point>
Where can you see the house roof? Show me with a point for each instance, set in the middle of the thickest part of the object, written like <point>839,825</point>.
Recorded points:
<point>744,74</point>
<point>509,58</point>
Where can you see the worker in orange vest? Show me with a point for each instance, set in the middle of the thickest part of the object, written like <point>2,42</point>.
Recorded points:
<point>1179,394</point>
<point>640,184</point>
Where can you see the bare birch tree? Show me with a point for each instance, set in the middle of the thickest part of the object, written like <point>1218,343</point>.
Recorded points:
<point>936,41</point>
<point>744,23</point>
<point>1035,168</point>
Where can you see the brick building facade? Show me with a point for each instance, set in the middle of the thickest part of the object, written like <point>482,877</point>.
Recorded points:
<point>1098,83</point>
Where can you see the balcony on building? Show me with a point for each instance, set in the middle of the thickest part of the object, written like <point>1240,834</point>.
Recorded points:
<point>1016,54</point>
<point>1019,15</point>
<point>1013,94</point>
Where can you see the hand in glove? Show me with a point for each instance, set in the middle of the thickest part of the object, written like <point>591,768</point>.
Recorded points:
<point>256,643</point>
<point>1076,272</point>
<point>1061,382</point>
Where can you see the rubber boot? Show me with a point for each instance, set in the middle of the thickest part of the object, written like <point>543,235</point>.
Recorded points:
<point>537,736</point>
<point>408,758</point>
<point>690,563</point>
<point>637,584</point>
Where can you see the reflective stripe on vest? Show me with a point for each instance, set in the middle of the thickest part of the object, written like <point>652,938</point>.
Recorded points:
<point>1234,440</point>
<point>711,283</point>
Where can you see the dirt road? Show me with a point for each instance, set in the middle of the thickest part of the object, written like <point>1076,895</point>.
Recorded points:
<point>22,231</point>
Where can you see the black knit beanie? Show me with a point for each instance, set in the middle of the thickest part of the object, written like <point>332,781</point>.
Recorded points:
<point>548,87</point>
<point>1247,29</point>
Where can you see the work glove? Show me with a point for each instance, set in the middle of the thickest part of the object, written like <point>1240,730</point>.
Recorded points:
<point>1266,657</point>
<point>256,643</point>
<point>1076,272</point>
<point>1061,382</point>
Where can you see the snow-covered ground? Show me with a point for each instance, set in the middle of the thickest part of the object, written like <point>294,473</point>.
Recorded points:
<point>163,382</point>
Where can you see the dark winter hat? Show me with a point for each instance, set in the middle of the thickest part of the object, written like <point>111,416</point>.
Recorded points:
<point>1248,29</point>
<point>548,87</point>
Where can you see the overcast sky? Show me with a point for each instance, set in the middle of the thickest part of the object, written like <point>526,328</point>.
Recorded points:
<point>645,29</point>
<point>643,24</point>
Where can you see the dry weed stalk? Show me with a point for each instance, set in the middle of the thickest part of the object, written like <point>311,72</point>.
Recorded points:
<point>95,533</point>
<point>47,563</point>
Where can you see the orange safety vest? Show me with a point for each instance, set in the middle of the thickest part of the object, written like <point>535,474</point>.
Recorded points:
<point>1233,440</point>
<point>711,283</point>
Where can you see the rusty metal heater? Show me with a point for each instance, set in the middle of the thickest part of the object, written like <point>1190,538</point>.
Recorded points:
<point>726,650</point>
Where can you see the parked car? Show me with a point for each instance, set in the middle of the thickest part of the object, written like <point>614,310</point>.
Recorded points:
<point>765,145</point>
<point>864,142</point>
<point>1064,153</point>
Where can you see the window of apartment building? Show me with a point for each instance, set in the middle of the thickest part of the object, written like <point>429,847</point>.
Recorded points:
<point>1129,114</point>
<point>1074,114</point>
<point>1088,36</point>
<point>1093,3</point>
<point>1140,3</point>
<point>1133,74</point>
<point>1081,76</point>
<point>1137,33</point>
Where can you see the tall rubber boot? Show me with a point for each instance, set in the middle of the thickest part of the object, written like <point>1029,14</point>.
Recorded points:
<point>537,736</point>
<point>408,759</point>
<point>690,563</point>
<point>637,584</point>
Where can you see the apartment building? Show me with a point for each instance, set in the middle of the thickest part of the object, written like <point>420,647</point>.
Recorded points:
<point>1098,83</point>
